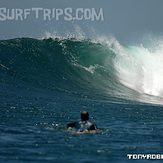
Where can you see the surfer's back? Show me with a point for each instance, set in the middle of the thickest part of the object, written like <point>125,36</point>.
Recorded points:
<point>83,125</point>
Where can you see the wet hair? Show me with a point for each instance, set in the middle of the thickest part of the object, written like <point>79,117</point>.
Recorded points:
<point>84,116</point>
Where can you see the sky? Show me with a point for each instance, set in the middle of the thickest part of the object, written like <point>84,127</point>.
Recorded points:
<point>126,20</point>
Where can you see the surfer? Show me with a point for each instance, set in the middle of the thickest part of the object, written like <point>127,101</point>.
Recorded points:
<point>84,125</point>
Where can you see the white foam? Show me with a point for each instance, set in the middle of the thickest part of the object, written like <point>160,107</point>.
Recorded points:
<point>91,69</point>
<point>141,69</point>
<point>77,33</point>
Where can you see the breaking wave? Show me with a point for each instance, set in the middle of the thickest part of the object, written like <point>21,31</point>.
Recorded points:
<point>101,67</point>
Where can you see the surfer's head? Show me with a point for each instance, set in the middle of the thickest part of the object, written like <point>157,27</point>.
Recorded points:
<point>84,116</point>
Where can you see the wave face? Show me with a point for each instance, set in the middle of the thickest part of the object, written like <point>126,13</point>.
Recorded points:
<point>103,68</point>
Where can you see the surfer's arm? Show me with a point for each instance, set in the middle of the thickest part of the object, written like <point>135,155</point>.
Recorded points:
<point>71,124</point>
<point>92,127</point>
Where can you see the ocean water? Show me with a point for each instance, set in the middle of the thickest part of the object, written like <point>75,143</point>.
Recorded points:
<point>44,84</point>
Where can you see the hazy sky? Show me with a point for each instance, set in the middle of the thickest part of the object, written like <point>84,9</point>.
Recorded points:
<point>124,19</point>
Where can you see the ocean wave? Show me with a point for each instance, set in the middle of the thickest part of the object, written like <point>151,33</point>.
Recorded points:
<point>97,67</point>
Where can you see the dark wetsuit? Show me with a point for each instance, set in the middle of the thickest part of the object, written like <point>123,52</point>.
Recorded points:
<point>82,126</point>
